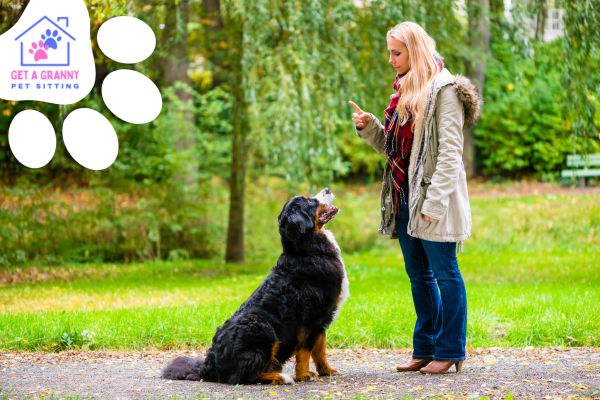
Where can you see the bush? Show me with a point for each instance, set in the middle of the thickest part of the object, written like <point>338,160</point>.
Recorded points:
<point>50,226</point>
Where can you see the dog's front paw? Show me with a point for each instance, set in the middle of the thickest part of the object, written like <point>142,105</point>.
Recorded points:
<point>306,376</point>
<point>286,379</point>
<point>275,378</point>
<point>328,371</point>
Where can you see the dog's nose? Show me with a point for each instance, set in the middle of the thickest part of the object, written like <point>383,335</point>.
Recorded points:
<point>327,191</point>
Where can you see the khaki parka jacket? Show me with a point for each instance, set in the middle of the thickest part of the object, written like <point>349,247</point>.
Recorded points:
<point>436,176</point>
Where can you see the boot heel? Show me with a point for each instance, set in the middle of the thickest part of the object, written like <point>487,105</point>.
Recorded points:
<point>458,366</point>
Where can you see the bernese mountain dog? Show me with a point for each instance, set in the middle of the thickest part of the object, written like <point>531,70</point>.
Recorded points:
<point>289,312</point>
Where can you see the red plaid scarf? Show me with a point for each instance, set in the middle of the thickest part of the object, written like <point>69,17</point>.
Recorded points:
<point>398,142</point>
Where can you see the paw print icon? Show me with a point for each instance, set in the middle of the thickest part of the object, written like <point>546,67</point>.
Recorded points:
<point>39,51</point>
<point>49,58</point>
<point>51,39</point>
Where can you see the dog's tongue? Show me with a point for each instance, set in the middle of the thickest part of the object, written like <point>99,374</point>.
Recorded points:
<point>329,213</point>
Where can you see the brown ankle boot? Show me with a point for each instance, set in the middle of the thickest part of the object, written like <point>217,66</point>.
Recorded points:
<point>413,365</point>
<point>441,367</point>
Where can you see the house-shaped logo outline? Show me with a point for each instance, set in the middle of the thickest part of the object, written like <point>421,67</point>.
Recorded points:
<point>61,29</point>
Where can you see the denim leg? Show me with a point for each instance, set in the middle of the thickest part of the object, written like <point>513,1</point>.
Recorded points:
<point>451,338</point>
<point>424,290</point>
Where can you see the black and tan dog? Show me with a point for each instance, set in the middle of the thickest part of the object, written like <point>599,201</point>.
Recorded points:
<point>289,312</point>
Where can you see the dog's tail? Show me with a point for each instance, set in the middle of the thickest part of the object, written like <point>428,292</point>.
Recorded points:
<point>184,368</point>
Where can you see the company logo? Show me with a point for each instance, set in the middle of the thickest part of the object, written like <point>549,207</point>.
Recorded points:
<point>46,44</point>
<point>46,55</point>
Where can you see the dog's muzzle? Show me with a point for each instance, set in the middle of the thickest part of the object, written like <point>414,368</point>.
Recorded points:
<point>326,198</point>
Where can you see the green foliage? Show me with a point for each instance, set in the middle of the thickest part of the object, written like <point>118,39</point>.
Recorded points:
<point>84,340</point>
<point>50,227</point>
<point>147,153</point>
<point>524,129</point>
<point>294,89</point>
<point>581,57</point>
<point>213,111</point>
<point>532,116</point>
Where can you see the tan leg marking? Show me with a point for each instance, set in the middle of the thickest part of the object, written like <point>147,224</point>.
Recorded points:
<point>303,372</point>
<point>320,358</point>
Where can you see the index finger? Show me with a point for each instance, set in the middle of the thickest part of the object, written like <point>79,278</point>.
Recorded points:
<point>356,108</point>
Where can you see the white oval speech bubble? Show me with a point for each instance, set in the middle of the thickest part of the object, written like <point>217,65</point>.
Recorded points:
<point>90,139</point>
<point>32,139</point>
<point>131,96</point>
<point>127,40</point>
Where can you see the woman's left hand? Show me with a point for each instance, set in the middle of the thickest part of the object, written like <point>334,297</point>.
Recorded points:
<point>427,218</point>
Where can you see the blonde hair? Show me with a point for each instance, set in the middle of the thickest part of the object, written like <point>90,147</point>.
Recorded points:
<point>415,85</point>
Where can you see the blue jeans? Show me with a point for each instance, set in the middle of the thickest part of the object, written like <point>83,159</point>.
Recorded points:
<point>438,293</point>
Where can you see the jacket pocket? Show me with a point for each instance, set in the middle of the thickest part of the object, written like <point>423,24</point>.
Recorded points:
<point>426,181</point>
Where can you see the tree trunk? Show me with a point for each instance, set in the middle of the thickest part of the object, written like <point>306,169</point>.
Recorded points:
<point>213,37</point>
<point>175,63</point>
<point>174,68</point>
<point>235,229</point>
<point>479,38</point>
<point>540,20</point>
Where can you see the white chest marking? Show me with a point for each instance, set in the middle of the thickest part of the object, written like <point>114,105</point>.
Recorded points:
<point>345,290</point>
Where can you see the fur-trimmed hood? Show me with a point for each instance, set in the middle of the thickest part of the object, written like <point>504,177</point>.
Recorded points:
<point>469,95</point>
<point>465,90</point>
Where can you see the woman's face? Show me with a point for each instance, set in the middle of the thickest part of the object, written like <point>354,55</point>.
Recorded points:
<point>398,55</point>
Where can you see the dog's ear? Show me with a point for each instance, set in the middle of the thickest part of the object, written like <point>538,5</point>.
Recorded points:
<point>283,212</point>
<point>295,224</point>
<point>301,222</point>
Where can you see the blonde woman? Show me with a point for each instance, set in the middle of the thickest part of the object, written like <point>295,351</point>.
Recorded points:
<point>424,200</point>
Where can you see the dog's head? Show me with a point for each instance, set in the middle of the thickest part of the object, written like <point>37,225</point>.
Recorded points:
<point>304,216</point>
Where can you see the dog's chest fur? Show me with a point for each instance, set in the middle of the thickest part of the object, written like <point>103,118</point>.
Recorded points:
<point>345,289</point>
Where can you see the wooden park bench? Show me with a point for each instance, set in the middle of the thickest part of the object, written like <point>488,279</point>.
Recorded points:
<point>581,167</point>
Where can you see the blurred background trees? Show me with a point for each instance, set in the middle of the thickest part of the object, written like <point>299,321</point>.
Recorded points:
<point>259,89</point>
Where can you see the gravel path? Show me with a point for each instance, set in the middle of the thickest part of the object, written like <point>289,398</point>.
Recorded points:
<point>546,373</point>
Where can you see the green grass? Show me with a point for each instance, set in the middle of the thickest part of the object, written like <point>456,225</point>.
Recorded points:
<point>532,271</point>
